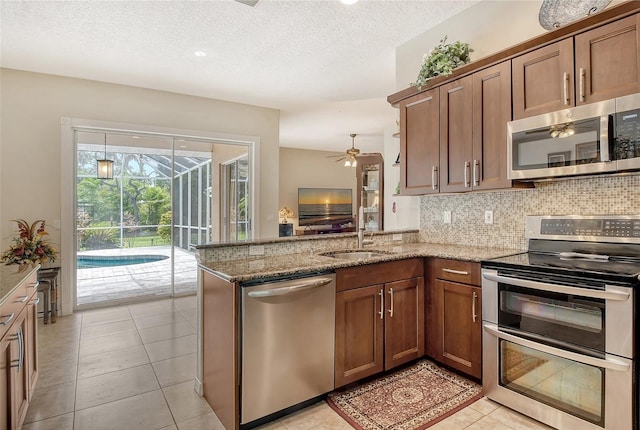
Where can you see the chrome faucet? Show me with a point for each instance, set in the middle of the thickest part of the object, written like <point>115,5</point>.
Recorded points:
<point>361,229</point>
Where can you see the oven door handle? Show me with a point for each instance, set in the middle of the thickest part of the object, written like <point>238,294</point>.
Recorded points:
<point>608,363</point>
<point>562,289</point>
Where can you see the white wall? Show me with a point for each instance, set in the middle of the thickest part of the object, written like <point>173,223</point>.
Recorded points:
<point>32,105</point>
<point>303,168</point>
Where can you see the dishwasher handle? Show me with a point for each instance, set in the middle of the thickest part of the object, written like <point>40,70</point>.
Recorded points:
<point>291,289</point>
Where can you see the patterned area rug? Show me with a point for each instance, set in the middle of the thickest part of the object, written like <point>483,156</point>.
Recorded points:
<point>413,398</point>
<point>519,364</point>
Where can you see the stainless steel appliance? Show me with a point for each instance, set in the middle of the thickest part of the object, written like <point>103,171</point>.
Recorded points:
<point>559,329</point>
<point>288,338</point>
<point>601,137</point>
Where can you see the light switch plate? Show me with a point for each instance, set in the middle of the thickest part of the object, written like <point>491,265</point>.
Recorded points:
<point>447,217</point>
<point>488,217</point>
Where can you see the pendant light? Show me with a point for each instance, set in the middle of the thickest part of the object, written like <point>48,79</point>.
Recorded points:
<point>105,166</point>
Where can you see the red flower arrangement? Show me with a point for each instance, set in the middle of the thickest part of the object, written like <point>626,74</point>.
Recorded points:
<point>29,246</point>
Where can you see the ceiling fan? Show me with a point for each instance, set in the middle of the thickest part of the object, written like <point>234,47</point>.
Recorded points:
<point>562,130</point>
<point>350,154</point>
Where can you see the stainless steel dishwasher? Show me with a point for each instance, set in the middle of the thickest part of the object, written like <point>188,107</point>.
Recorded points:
<point>288,338</point>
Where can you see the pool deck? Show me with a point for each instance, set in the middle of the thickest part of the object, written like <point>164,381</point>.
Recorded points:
<point>119,283</point>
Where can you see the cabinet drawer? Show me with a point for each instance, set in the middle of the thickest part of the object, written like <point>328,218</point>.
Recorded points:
<point>380,273</point>
<point>466,272</point>
<point>16,302</point>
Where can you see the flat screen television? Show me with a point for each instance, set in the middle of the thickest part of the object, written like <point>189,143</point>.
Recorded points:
<point>325,206</point>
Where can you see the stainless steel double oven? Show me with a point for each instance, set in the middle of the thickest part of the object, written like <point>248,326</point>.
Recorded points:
<point>559,330</point>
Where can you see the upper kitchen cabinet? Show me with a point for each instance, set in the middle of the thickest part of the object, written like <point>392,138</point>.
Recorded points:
<point>608,61</point>
<point>419,143</point>
<point>607,65</point>
<point>456,152</point>
<point>371,189</point>
<point>491,112</point>
<point>543,80</point>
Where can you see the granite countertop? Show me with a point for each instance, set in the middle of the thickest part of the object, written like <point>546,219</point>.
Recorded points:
<point>293,264</point>
<point>12,276</point>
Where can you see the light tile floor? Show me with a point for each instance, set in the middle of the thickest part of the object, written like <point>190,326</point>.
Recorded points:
<point>131,368</point>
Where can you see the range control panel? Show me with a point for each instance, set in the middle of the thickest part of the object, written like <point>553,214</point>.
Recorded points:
<point>602,228</point>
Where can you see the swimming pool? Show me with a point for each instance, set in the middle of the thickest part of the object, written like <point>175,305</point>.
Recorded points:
<point>93,261</point>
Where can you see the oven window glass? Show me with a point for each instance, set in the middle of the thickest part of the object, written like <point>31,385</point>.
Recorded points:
<point>627,140</point>
<point>572,387</point>
<point>560,145</point>
<point>555,317</point>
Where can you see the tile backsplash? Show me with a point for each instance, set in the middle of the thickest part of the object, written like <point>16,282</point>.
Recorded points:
<point>601,195</point>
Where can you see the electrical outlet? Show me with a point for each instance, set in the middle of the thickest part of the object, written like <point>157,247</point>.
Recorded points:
<point>447,217</point>
<point>256,250</point>
<point>488,217</point>
<point>397,237</point>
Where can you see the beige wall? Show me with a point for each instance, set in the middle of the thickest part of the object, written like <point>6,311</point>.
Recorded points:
<point>300,168</point>
<point>32,105</point>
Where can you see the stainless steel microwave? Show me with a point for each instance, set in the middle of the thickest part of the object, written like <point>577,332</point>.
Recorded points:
<point>601,137</point>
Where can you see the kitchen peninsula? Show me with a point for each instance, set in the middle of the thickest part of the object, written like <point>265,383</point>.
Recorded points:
<point>395,259</point>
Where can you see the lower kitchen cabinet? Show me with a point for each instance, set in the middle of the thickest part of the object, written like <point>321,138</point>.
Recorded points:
<point>381,325</point>
<point>454,309</point>
<point>14,377</point>
<point>18,346</point>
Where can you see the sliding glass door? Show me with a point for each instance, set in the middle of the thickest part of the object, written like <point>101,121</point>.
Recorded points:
<point>136,231</point>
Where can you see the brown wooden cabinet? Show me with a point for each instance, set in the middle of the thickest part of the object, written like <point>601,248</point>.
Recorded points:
<point>381,325</point>
<point>31,344</point>
<point>456,145</point>
<point>607,61</point>
<point>543,80</point>
<point>491,112</point>
<point>607,65</point>
<point>454,309</point>
<point>419,143</point>
<point>453,138</point>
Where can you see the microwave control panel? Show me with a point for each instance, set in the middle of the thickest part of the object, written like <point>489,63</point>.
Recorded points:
<point>606,227</point>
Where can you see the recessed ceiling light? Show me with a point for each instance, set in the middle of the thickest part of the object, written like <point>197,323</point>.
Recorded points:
<point>202,53</point>
<point>183,146</point>
<point>135,137</point>
<point>349,1</point>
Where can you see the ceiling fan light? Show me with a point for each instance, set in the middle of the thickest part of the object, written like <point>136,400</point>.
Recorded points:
<point>347,163</point>
<point>355,162</point>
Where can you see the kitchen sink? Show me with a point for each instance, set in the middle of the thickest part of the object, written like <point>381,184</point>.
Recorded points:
<point>354,255</point>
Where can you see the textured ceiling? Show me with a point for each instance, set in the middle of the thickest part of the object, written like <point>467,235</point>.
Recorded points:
<point>328,67</point>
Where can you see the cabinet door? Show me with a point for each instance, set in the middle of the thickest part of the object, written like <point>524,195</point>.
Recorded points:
<point>14,383</point>
<point>608,61</point>
<point>456,107</point>
<point>460,326</point>
<point>404,321</point>
<point>491,112</point>
<point>359,334</point>
<point>20,380</point>
<point>6,394</point>
<point>31,344</point>
<point>419,142</point>
<point>543,80</point>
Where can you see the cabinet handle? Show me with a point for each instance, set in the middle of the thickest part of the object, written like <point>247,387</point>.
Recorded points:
<point>21,347</point>
<point>381,313</point>
<point>8,320</point>
<point>565,88</point>
<point>467,168</point>
<point>34,285</point>
<point>434,177</point>
<point>391,307</point>
<point>582,89</point>
<point>476,172</point>
<point>474,315</point>
<point>455,272</point>
<point>35,301</point>
<point>22,300</point>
